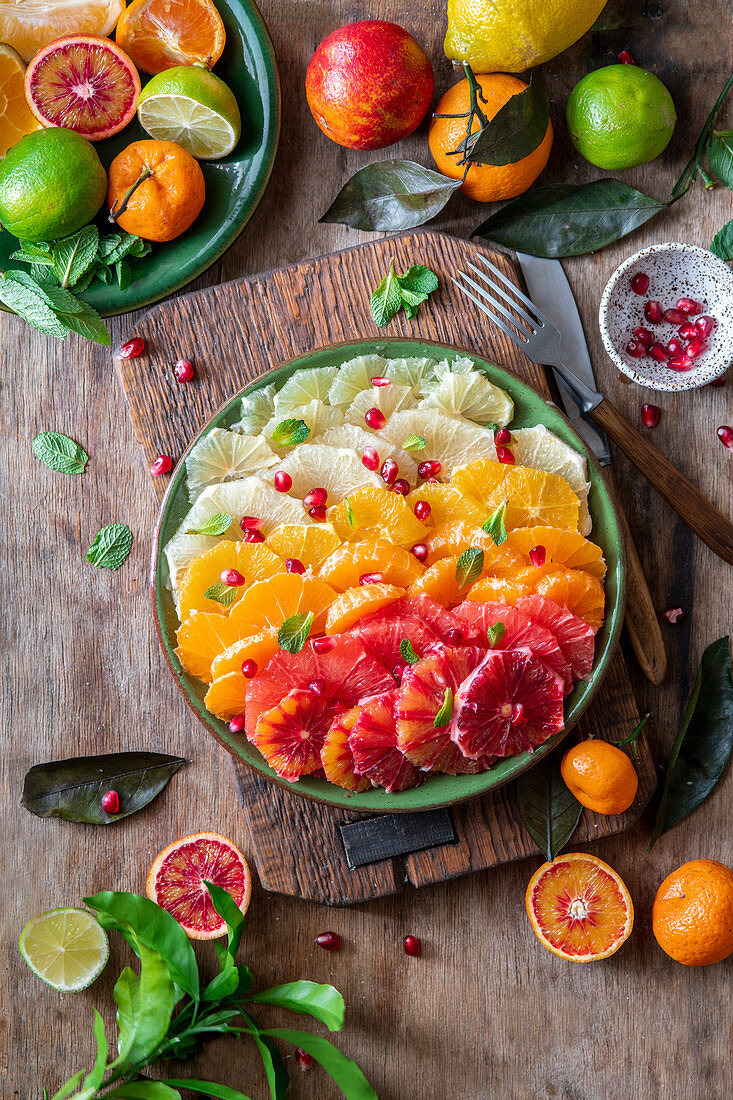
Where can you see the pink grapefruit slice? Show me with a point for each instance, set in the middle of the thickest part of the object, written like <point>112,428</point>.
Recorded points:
<point>519,631</point>
<point>373,743</point>
<point>575,637</point>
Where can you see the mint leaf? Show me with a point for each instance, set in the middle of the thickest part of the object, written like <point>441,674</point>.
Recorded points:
<point>444,715</point>
<point>73,255</point>
<point>222,593</point>
<point>419,280</point>
<point>215,525</point>
<point>350,517</point>
<point>494,634</point>
<point>414,443</point>
<point>30,305</point>
<point>33,253</point>
<point>495,525</point>
<point>59,453</point>
<point>86,322</point>
<point>386,299</point>
<point>111,546</point>
<point>124,274</point>
<point>289,432</point>
<point>293,634</point>
<point>719,150</point>
<point>407,652</point>
<point>469,566</point>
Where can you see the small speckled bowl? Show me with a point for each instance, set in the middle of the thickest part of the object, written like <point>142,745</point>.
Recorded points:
<point>675,271</point>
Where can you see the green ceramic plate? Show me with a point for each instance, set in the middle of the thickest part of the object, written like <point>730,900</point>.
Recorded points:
<point>234,185</point>
<point>438,790</point>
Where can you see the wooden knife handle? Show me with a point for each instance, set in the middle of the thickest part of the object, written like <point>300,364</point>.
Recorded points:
<point>642,621</point>
<point>709,524</point>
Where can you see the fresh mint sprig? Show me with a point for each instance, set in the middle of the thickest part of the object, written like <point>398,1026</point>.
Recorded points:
<point>406,292</point>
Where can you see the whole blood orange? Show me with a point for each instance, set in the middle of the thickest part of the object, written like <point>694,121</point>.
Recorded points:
<point>579,907</point>
<point>155,189</point>
<point>369,84</point>
<point>176,882</point>
<point>601,776</point>
<point>692,918</point>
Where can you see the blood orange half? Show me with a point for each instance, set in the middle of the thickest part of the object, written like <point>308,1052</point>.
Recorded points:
<point>579,907</point>
<point>176,881</point>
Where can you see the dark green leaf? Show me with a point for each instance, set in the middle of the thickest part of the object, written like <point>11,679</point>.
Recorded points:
<point>720,155</point>
<point>86,322</point>
<point>419,279</point>
<point>722,243</point>
<point>93,1080</point>
<point>495,525</point>
<point>469,566</point>
<point>67,1088</point>
<point>222,593</point>
<point>55,297</point>
<point>229,912</point>
<point>386,299</point>
<point>494,634</point>
<point>145,1090</point>
<point>549,811</point>
<point>108,245</point>
<point>293,634</point>
<point>290,432</point>
<point>565,219</point>
<point>59,453</point>
<point>321,1001</point>
<point>414,443</point>
<point>703,745</point>
<point>391,195</point>
<point>31,306</point>
<point>124,274</point>
<point>407,652</point>
<point>215,525</point>
<point>208,1088</point>
<point>444,715</point>
<point>73,255</point>
<point>689,172</point>
<point>111,546</point>
<point>345,1073</point>
<point>224,985</point>
<point>516,129</point>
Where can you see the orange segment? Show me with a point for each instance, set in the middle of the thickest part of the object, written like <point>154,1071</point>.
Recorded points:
<point>258,648</point>
<point>439,583</point>
<point>226,696</point>
<point>311,543</point>
<point>580,592</point>
<point>450,539</point>
<point>481,480</point>
<point>267,604</point>
<point>533,496</point>
<point>201,638</point>
<point>31,24</point>
<point>503,589</point>
<point>579,907</point>
<point>448,505</point>
<point>564,548</point>
<point>376,514</point>
<point>158,34</point>
<point>254,560</point>
<point>355,559</point>
<point>336,756</point>
<point>355,603</point>
<point>17,119</point>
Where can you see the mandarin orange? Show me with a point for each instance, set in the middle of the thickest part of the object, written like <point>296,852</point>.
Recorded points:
<point>600,775</point>
<point>692,918</point>
<point>155,190</point>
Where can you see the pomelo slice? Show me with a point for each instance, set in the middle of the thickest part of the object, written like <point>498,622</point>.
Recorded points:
<point>66,948</point>
<point>176,882</point>
<point>336,756</point>
<point>31,24</point>
<point>316,415</point>
<point>388,399</point>
<point>519,632</point>
<point>470,395</point>
<point>226,456</point>
<point>373,742</point>
<point>511,703</point>
<point>290,735</point>
<point>450,440</point>
<point>576,637</point>
<point>415,371</point>
<point>541,449</point>
<point>256,408</point>
<point>337,470</point>
<point>354,376</point>
<point>359,438</point>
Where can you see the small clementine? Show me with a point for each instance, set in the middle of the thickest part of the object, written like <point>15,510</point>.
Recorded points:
<point>155,190</point>
<point>692,918</point>
<point>601,777</point>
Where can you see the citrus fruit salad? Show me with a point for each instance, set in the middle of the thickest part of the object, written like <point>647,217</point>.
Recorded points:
<point>377,579</point>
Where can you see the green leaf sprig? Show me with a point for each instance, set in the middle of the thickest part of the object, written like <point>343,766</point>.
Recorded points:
<point>495,634</point>
<point>414,443</point>
<point>59,453</point>
<point>293,634</point>
<point>495,525</point>
<point>111,546</point>
<point>469,566</point>
<point>406,292</point>
<point>408,653</point>
<point>222,593</point>
<point>214,525</point>
<point>444,715</point>
<point>288,433</point>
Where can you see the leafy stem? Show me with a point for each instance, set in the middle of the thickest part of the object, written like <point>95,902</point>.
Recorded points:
<point>633,736</point>
<point>693,166</point>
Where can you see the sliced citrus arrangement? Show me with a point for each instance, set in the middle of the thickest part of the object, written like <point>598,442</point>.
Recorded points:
<point>210,570</point>
<point>371,513</point>
<point>557,546</point>
<point>354,603</point>
<point>357,563</point>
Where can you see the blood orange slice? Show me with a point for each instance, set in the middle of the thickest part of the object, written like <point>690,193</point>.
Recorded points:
<point>519,632</point>
<point>575,636</point>
<point>176,881</point>
<point>290,735</point>
<point>512,703</point>
<point>373,742</point>
<point>336,756</point>
<point>579,907</point>
<point>83,83</point>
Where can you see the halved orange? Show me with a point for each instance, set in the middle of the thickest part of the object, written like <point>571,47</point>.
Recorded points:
<point>17,119</point>
<point>448,505</point>
<point>355,603</point>
<point>344,568</point>
<point>254,560</point>
<point>376,514</point>
<point>267,604</point>
<point>580,592</point>
<point>310,543</point>
<point>257,647</point>
<point>158,34</point>
<point>201,638</point>
<point>564,548</point>
<point>30,24</point>
<point>579,907</point>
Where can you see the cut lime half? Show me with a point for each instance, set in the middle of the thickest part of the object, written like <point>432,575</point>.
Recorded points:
<point>194,108</point>
<point>66,948</point>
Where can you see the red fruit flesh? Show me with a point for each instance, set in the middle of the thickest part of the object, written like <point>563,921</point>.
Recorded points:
<point>375,418</point>
<point>485,705</point>
<point>315,497</point>
<point>503,454</point>
<point>688,331</point>
<point>422,510</point>
<point>575,637</point>
<point>654,313</point>
<point>389,471</point>
<point>650,415</point>
<point>336,755</point>
<point>502,437</point>
<point>179,883</point>
<point>627,58</point>
<point>381,635</point>
<point>111,802</point>
<point>429,468</point>
<point>282,481</point>
<point>695,348</point>
<point>705,325</point>
<point>640,282</point>
<point>329,941</point>
<point>373,742</point>
<point>402,486</point>
<point>133,348</point>
<point>412,946</point>
<point>290,735</point>
<point>675,347</point>
<point>162,465</point>
<point>420,551</point>
<point>378,380</point>
<point>318,512</point>
<point>520,632</point>
<point>674,615</point>
<point>680,363</point>
<point>183,370</point>
<point>294,565</point>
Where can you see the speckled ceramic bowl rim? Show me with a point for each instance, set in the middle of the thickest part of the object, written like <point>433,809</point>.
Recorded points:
<point>702,376</point>
<point>466,786</point>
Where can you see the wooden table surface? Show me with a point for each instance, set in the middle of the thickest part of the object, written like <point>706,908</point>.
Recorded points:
<point>485,1012</point>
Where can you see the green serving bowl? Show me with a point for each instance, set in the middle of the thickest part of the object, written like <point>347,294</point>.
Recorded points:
<point>437,790</point>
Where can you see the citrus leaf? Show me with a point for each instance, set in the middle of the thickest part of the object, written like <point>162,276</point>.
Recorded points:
<point>495,525</point>
<point>111,546</point>
<point>419,279</point>
<point>345,1073</point>
<point>444,715</point>
<point>145,1090</point>
<point>722,242</point>
<point>208,1088</point>
<point>386,299</point>
<point>720,155</point>
<point>73,255</point>
<point>549,811</point>
<point>407,652</point>
<point>290,432</point>
<point>215,525</point>
<point>293,634</point>
<point>323,1002</point>
<point>230,913</point>
<point>222,593</point>
<point>566,219</point>
<point>515,131</point>
<point>93,1079</point>
<point>703,746</point>
<point>469,566</point>
<point>494,634</point>
<point>277,1076</point>
<point>72,789</point>
<point>414,443</point>
<point>391,195</point>
<point>59,453</point>
<point>126,995</point>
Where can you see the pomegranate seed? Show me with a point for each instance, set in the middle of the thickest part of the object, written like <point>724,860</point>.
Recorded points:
<point>412,946</point>
<point>236,725</point>
<point>401,486</point>
<point>389,471</point>
<point>658,352</point>
<point>111,802</point>
<point>430,468</point>
<point>725,435</point>
<point>696,348</point>
<point>162,465</point>
<point>232,577</point>
<point>674,615</point>
<point>433,481</point>
<point>371,578</point>
<point>636,350</point>
<point>716,382</point>
<point>397,673</point>
<point>370,458</point>
<point>627,58</point>
<point>329,941</point>
<point>644,336</point>
<point>675,347</point>
<point>422,509</point>
<point>502,437</point>
<point>653,312</point>
<point>318,512</point>
<point>689,305</point>
<point>380,381</point>
<point>254,536</point>
<point>283,481</point>
<point>680,363</point>
<point>294,565</point>
<point>688,331</point>
<point>537,556</point>
<point>375,418</point>
<point>132,348</point>
<point>705,326</point>
<point>183,370</point>
<point>454,636</point>
<point>324,644</point>
<point>303,1059</point>
<point>675,316</point>
<point>250,523</point>
<point>650,415</point>
<point>640,283</point>
<point>249,668</point>
<point>505,455</point>
<point>317,686</point>
<point>315,497</point>
<point>519,715</point>
<point>420,551</point>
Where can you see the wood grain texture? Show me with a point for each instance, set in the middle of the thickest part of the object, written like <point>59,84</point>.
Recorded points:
<point>231,330</point>
<point>485,1012</point>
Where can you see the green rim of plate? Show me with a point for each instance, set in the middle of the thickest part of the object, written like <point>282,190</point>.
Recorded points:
<point>530,408</point>
<point>234,185</point>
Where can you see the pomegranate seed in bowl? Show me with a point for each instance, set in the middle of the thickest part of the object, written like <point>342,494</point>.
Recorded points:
<point>688,331</point>
<point>644,336</point>
<point>695,348</point>
<point>650,415</point>
<point>659,352</point>
<point>636,349</point>
<point>689,305</point>
<point>318,512</point>
<point>640,283</point>
<point>232,577</point>
<point>674,316</point>
<point>654,313</point>
<point>679,363</point>
<point>675,347</point>
<point>705,325</point>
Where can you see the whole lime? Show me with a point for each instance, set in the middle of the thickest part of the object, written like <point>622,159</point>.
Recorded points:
<point>620,116</point>
<point>51,184</point>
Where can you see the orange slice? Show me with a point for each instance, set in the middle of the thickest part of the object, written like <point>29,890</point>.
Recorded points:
<point>439,583</point>
<point>310,543</point>
<point>480,480</point>
<point>450,539</point>
<point>353,560</point>
<point>376,514</point>
<point>564,548</point>
<point>579,907</point>
<point>533,496</point>
<point>503,589</point>
<point>580,592</point>
<point>336,756</point>
<point>158,34</point>
<point>267,604</point>
<point>31,24</point>
<point>448,505</point>
<point>226,696</point>
<point>254,560</point>
<point>17,119</point>
<point>201,638</point>
<point>258,648</point>
<point>355,603</point>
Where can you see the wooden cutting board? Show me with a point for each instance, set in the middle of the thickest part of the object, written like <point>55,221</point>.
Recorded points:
<point>235,332</point>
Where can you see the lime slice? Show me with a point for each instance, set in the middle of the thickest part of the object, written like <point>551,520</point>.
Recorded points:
<point>194,108</point>
<point>66,948</point>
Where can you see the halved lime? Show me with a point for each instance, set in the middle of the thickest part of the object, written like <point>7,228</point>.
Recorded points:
<point>194,108</point>
<point>66,948</point>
